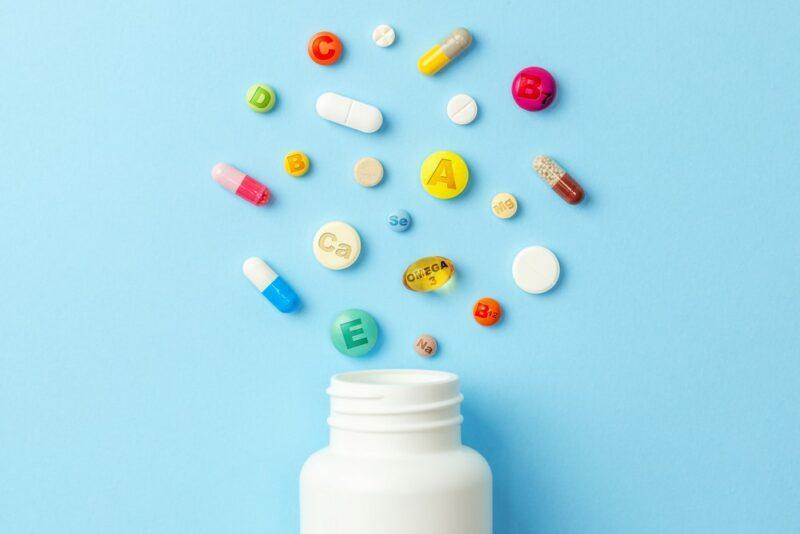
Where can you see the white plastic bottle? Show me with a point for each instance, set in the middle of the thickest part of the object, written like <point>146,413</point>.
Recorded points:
<point>395,463</point>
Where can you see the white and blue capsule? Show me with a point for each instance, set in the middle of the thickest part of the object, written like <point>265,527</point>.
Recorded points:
<point>272,286</point>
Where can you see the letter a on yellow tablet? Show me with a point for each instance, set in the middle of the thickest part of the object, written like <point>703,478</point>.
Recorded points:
<point>444,174</point>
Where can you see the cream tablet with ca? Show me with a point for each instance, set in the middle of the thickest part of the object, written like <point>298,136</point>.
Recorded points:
<point>348,112</point>
<point>336,245</point>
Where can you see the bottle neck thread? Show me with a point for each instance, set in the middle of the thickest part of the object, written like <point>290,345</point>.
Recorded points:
<point>395,410</point>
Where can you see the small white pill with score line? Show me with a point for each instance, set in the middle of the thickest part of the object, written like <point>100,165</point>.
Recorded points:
<point>535,269</point>
<point>462,109</point>
<point>383,35</point>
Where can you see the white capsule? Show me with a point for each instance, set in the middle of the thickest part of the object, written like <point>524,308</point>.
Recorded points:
<point>348,112</point>
<point>272,286</point>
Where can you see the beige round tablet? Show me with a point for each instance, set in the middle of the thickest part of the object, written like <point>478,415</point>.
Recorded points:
<point>368,172</point>
<point>336,245</point>
<point>504,205</point>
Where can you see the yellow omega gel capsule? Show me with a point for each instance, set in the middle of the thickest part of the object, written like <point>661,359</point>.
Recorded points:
<point>443,53</point>
<point>428,274</point>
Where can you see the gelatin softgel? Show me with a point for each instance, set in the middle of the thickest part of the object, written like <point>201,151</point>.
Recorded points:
<point>428,274</point>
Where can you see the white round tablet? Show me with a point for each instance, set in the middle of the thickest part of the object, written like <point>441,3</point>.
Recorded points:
<point>462,109</point>
<point>337,245</point>
<point>368,172</point>
<point>383,35</point>
<point>535,270</point>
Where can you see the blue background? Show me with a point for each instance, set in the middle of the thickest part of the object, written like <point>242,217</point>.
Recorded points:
<point>145,386</point>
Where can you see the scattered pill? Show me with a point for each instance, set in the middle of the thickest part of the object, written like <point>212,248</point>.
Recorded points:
<point>368,172</point>
<point>272,286</point>
<point>426,346</point>
<point>444,174</point>
<point>428,274</point>
<point>354,333</point>
<point>238,182</point>
<point>261,97</point>
<point>324,48</point>
<point>399,220</point>
<point>487,311</point>
<point>383,35</point>
<point>348,112</point>
<point>443,53</point>
<point>504,205</point>
<point>533,89</point>
<point>462,109</point>
<point>337,245</point>
<point>557,178</point>
<point>296,164</point>
<point>535,269</point>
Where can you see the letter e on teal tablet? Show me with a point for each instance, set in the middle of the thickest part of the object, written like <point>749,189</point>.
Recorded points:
<point>354,333</point>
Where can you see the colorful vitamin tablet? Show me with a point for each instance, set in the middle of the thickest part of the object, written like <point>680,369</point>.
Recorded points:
<point>324,48</point>
<point>354,333</point>
<point>272,286</point>
<point>504,205</point>
<point>399,220</point>
<point>296,164</point>
<point>261,97</point>
<point>337,245</point>
<point>557,178</point>
<point>238,182</point>
<point>426,346</point>
<point>443,53</point>
<point>428,274</point>
<point>462,109</point>
<point>348,112</point>
<point>533,89</point>
<point>368,172</point>
<point>535,270</point>
<point>383,35</point>
<point>487,311</point>
<point>444,174</point>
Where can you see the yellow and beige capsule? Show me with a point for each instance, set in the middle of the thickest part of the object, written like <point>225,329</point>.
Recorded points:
<point>443,53</point>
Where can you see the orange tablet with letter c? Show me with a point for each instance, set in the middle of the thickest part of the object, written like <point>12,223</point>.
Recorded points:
<point>324,48</point>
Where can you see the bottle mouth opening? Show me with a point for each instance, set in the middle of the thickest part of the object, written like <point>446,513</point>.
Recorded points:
<point>394,400</point>
<point>396,377</point>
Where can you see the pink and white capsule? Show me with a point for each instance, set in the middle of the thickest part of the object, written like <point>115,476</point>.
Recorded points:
<point>272,286</point>
<point>238,182</point>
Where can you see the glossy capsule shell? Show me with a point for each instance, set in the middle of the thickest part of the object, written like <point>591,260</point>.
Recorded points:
<point>443,53</point>
<point>238,182</point>
<point>557,178</point>
<point>428,274</point>
<point>272,286</point>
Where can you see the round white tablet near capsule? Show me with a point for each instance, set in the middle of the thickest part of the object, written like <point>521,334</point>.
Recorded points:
<point>368,172</point>
<point>383,35</point>
<point>337,245</point>
<point>462,109</point>
<point>535,269</point>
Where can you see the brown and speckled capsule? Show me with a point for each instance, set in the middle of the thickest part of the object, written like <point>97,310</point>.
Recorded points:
<point>557,178</point>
